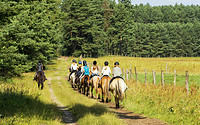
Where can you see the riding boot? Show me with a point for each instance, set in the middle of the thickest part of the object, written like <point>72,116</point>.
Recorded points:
<point>35,76</point>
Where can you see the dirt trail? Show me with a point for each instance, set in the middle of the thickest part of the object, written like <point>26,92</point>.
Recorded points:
<point>132,118</point>
<point>66,114</point>
<point>128,117</point>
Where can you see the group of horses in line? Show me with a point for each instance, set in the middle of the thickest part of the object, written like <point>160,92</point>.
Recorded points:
<point>101,86</point>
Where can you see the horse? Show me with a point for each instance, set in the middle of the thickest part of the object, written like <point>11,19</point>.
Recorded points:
<point>72,79</point>
<point>77,83</point>
<point>85,83</point>
<point>94,85</point>
<point>104,85</point>
<point>118,88</point>
<point>40,78</point>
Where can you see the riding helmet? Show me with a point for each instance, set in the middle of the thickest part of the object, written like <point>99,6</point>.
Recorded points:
<point>79,62</point>
<point>106,63</point>
<point>84,63</point>
<point>73,60</point>
<point>116,63</point>
<point>94,62</point>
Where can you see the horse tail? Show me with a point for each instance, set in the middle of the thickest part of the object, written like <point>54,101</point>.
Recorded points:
<point>86,80</point>
<point>118,90</point>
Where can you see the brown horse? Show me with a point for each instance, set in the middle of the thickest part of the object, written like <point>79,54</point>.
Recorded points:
<point>40,78</point>
<point>94,85</point>
<point>104,85</point>
<point>77,83</point>
<point>118,88</point>
<point>85,84</point>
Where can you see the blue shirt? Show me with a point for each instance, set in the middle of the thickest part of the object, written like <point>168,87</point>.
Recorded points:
<point>86,70</point>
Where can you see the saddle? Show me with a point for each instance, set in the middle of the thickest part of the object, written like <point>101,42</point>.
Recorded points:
<point>115,78</point>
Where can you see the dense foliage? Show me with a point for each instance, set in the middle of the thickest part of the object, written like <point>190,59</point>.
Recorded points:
<point>39,29</point>
<point>101,27</point>
<point>29,31</point>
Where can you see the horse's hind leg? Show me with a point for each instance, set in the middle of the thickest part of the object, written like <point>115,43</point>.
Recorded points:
<point>122,96</point>
<point>38,85</point>
<point>88,88</point>
<point>117,101</point>
<point>84,90</point>
<point>92,92</point>
<point>42,85</point>
<point>106,99</point>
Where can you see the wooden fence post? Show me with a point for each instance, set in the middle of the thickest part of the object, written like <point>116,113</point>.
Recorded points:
<point>162,78</point>
<point>130,72</point>
<point>187,82</point>
<point>145,76</point>
<point>131,76</point>
<point>174,77</point>
<point>127,75</point>
<point>123,73</point>
<point>135,74</point>
<point>154,77</point>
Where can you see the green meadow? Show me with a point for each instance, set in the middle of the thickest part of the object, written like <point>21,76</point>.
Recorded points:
<point>169,103</point>
<point>21,102</point>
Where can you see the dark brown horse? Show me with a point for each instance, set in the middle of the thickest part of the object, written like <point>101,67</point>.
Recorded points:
<point>85,84</point>
<point>40,78</point>
<point>77,83</point>
<point>104,85</point>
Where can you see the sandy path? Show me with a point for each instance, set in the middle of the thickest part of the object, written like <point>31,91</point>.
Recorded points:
<point>66,114</point>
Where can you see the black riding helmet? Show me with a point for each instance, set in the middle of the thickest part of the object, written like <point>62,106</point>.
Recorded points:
<point>116,63</point>
<point>106,63</point>
<point>94,62</point>
<point>73,60</point>
<point>84,63</point>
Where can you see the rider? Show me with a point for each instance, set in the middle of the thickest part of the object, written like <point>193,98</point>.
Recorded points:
<point>86,70</point>
<point>79,69</point>
<point>117,72</point>
<point>73,68</point>
<point>105,71</point>
<point>39,68</point>
<point>94,69</point>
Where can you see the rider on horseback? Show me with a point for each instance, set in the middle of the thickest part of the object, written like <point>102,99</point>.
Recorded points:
<point>94,69</point>
<point>117,72</point>
<point>73,68</point>
<point>39,68</point>
<point>105,71</point>
<point>86,70</point>
<point>79,69</point>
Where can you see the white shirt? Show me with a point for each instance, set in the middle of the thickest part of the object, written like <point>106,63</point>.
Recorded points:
<point>73,66</point>
<point>106,71</point>
<point>94,71</point>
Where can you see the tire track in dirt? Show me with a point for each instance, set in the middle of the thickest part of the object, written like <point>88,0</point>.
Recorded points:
<point>67,117</point>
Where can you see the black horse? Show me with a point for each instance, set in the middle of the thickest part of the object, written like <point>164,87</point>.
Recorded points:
<point>40,78</point>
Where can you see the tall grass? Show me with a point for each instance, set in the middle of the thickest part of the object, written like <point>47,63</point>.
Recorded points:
<point>21,103</point>
<point>169,103</point>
